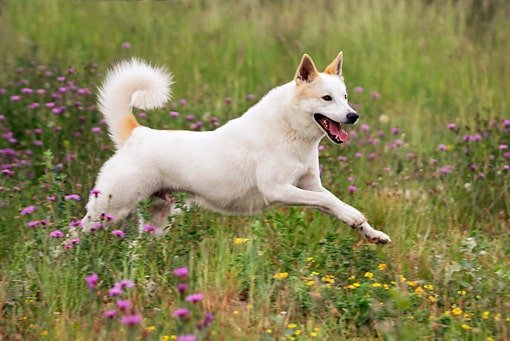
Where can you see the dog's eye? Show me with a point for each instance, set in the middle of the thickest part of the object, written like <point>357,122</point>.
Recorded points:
<point>327,98</point>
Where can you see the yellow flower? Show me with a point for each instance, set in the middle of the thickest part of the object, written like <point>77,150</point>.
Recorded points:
<point>352,277</point>
<point>298,332</point>
<point>281,275</point>
<point>419,291</point>
<point>165,338</point>
<point>310,260</point>
<point>432,299</point>
<point>269,331</point>
<point>402,278</point>
<point>376,285</point>
<point>316,329</point>
<point>461,292</point>
<point>457,311</point>
<point>174,337</point>
<point>382,267</point>
<point>489,338</point>
<point>507,319</point>
<point>486,314</point>
<point>313,334</point>
<point>497,317</point>
<point>292,326</point>
<point>328,279</point>
<point>369,275</point>
<point>150,329</point>
<point>310,283</point>
<point>386,286</point>
<point>429,287</point>
<point>356,284</point>
<point>467,316</point>
<point>466,327</point>
<point>412,283</point>
<point>239,241</point>
<point>314,273</point>
<point>44,333</point>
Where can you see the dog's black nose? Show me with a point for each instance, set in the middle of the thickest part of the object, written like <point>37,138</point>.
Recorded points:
<point>352,117</point>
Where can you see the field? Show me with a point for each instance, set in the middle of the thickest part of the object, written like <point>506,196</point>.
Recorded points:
<point>428,164</point>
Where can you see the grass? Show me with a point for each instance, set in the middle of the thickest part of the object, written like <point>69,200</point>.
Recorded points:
<point>289,273</point>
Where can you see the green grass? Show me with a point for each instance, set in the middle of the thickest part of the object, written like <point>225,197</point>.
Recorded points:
<point>432,63</point>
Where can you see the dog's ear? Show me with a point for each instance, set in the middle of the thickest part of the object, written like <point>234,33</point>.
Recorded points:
<point>335,68</point>
<point>306,71</point>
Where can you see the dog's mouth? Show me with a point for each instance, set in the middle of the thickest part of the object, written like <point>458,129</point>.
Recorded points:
<point>332,128</point>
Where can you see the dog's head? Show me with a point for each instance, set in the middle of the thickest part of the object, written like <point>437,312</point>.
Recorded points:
<point>323,96</point>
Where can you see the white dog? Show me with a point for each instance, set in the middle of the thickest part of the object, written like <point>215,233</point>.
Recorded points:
<point>267,156</point>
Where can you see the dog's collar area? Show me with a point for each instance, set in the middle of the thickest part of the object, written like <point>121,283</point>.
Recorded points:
<point>332,128</point>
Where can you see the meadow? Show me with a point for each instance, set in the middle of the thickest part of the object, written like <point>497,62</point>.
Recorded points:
<point>428,164</point>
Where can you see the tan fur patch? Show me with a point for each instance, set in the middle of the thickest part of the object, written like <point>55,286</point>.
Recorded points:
<point>128,126</point>
<point>335,68</point>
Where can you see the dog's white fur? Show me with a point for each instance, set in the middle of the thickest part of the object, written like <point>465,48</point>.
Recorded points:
<point>267,156</point>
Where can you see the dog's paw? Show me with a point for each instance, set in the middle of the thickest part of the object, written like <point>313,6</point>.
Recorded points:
<point>373,235</point>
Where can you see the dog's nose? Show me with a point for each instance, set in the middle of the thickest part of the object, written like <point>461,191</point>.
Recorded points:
<point>352,117</point>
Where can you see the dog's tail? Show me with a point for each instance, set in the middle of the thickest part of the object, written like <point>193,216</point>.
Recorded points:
<point>129,84</point>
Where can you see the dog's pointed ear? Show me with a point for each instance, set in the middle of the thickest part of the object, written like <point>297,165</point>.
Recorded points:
<point>335,68</point>
<point>306,72</point>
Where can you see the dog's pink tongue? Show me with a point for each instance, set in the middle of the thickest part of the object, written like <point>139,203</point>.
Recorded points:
<point>336,129</point>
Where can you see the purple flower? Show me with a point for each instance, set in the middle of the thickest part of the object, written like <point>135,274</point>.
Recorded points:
<point>441,147</point>
<point>149,228</point>
<point>126,45</point>
<point>131,320</point>
<point>125,284</point>
<point>182,287</point>
<point>364,127</point>
<point>503,147</point>
<point>15,98</point>
<point>115,291</point>
<point>182,101</point>
<point>118,233</point>
<point>95,130</point>
<point>358,155</point>
<point>342,158</point>
<point>32,224</point>
<point>506,168</point>
<point>26,91</point>
<point>189,337</point>
<point>74,197</point>
<point>173,114</point>
<point>358,89</point>
<point>506,123</point>
<point>123,304</point>
<point>446,169</point>
<point>473,167</point>
<point>27,210</point>
<point>75,240</point>
<point>208,319</point>
<point>452,126</point>
<point>92,281</point>
<point>195,298</point>
<point>110,313</point>
<point>56,234</point>
<point>142,115</point>
<point>95,192</point>
<point>181,272</point>
<point>352,189</point>
<point>375,95</point>
<point>181,312</point>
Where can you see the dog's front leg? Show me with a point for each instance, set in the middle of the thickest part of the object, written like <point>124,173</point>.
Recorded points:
<point>323,199</point>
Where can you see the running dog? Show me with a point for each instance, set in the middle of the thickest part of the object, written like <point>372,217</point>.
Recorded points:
<point>267,156</point>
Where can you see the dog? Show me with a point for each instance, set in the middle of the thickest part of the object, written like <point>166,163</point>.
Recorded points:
<point>267,156</point>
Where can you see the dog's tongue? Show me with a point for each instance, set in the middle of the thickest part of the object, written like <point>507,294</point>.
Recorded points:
<point>336,129</point>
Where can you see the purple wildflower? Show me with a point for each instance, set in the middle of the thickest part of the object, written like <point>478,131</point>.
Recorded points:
<point>15,98</point>
<point>74,197</point>
<point>118,233</point>
<point>189,337</point>
<point>375,95</point>
<point>395,131</point>
<point>32,224</point>
<point>342,158</point>
<point>446,169</point>
<point>95,192</point>
<point>181,272</point>
<point>27,210</point>
<point>149,228</point>
<point>181,313</point>
<point>358,89</point>
<point>123,304</point>
<point>352,189</point>
<point>125,284</point>
<point>115,291</point>
<point>92,281</point>
<point>442,147</point>
<point>131,320</point>
<point>365,127</point>
<point>56,234</point>
<point>208,319</point>
<point>182,101</point>
<point>126,45</point>
<point>358,155</point>
<point>182,287</point>
<point>95,130</point>
<point>503,147</point>
<point>173,114</point>
<point>452,126</point>
<point>195,298</point>
<point>110,313</point>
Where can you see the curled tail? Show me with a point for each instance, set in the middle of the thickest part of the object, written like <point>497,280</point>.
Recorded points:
<point>129,84</point>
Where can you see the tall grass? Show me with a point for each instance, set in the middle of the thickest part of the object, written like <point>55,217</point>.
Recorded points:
<point>431,62</point>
